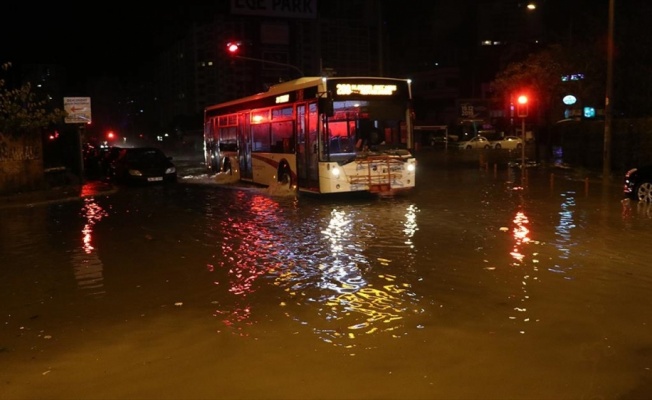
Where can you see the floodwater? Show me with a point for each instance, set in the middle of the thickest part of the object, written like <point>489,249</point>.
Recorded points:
<point>480,284</point>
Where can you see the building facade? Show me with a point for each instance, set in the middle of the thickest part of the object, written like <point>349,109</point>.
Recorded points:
<point>275,45</point>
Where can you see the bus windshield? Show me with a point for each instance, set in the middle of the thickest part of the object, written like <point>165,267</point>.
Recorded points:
<point>364,126</point>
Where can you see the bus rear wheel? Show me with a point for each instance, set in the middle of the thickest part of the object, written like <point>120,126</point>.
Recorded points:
<point>285,179</point>
<point>284,176</point>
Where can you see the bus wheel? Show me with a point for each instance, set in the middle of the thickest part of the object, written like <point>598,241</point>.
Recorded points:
<point>284,177</point>
<point>226,166</point>
<point>215,163</point>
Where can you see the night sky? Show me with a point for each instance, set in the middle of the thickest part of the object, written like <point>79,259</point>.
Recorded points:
<point>107,37</point>
<point>115,37</point>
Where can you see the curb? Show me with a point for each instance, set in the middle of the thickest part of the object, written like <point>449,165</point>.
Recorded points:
<point>55,195</point>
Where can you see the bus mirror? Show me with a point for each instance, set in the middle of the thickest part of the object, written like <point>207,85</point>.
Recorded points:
<point>326,106</point>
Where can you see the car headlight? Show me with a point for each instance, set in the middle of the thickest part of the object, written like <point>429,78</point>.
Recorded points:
<point>335,171</point>
<point>411,167</point>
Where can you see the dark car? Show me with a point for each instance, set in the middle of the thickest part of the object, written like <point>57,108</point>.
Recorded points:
<point>142,165</point>
<point>638,183</point>
<point>439,141</point>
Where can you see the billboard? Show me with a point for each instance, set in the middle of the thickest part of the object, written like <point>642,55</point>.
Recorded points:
<point>78,110</point>
<point>275,8</point>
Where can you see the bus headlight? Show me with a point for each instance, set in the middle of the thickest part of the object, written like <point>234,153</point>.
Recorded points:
<point>411,167</point>
<point>335,171</point>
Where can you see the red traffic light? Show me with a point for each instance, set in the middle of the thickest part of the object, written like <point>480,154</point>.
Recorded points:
<point>522,106</point>
<point>110,135</point>
<point>233,47</point>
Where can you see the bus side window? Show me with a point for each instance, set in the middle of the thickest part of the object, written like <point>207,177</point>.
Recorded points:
<point>335,145</point>
<point>288,145</point>
<point>228,146</point>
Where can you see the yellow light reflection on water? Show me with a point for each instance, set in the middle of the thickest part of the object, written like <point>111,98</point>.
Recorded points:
<point>329,281</point>
<point>363,305</point>
<point>410,225</point>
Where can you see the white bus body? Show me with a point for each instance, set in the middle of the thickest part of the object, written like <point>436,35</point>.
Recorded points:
<point>317,135</point>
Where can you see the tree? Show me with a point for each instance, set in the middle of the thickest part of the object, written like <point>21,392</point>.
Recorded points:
<point>22,111</point>
<point>540,74</point>
<point>23,116</point>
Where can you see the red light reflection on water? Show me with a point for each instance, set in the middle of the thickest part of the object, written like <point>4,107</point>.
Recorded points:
<point>521,235</point>
<point>255,244</point>
<point>93,213</point>
<point>88,189</point>
<point>248,249</point>
<point>87,264</point>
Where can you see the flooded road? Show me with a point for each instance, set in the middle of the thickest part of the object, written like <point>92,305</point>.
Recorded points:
<point>477,285</point>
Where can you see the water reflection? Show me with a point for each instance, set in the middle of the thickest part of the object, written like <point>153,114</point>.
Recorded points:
<point>410,224</point>
<point>564,228</point>
<point>85,259</point>
<point>343,273</point>
<point>250,248</point>
<point>521,235</point>
<point>632,208</point>
<point>361,293</point>
<point>337,265</point>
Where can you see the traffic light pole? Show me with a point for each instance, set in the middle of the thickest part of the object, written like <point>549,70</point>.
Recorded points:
<point>522,112</point>
<point>523,150</point>
<point>272,62</point>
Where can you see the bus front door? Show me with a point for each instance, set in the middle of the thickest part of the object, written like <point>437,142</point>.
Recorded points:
<point>244,149</point>
<point>302,154</point>
<point>307,151</point>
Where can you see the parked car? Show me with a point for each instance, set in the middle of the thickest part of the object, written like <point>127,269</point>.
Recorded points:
<point>108,154</point>
<point>142,165</point>
<point>508,143</point>
<point>439,141</point>
<point>476,142</point>
<point>638,184</point>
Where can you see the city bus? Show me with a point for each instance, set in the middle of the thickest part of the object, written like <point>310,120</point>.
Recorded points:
<point>317,135</point>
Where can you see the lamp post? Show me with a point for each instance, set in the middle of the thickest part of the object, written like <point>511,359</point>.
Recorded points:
<point>606,156</point>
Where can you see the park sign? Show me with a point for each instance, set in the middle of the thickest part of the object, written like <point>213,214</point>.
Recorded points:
<point>78,110</point>
<point>276,8</point>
